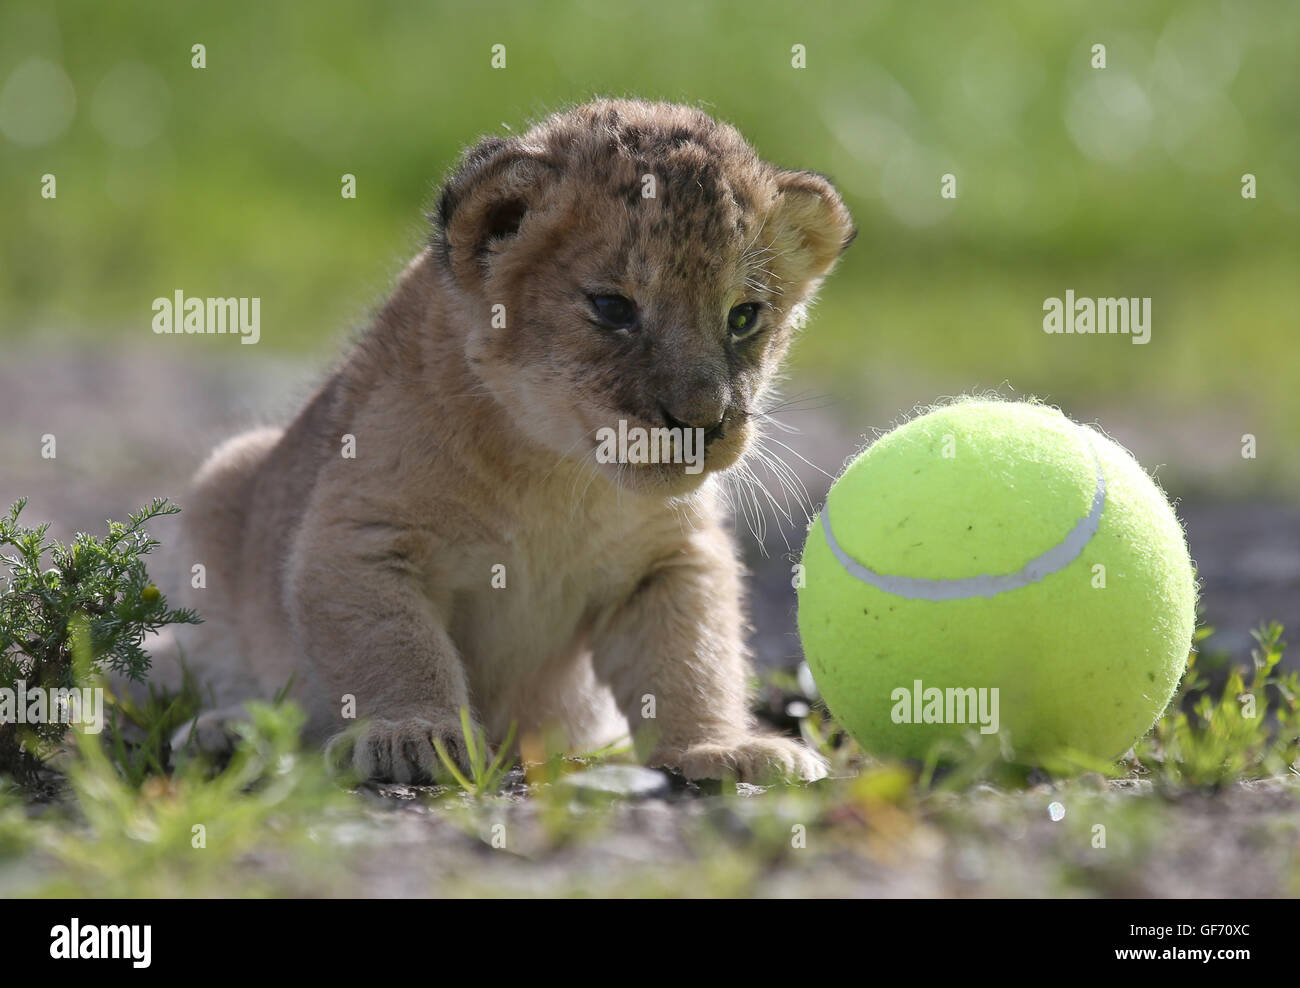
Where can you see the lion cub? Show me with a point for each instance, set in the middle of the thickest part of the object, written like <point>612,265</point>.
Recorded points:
<point>442,525</point>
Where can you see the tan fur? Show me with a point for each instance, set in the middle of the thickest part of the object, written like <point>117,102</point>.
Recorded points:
<point>475,447</point>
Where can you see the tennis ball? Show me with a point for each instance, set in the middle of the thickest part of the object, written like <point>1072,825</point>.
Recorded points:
<point>993,566</point>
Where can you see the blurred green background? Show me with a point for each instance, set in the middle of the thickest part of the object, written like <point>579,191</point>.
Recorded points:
<point>1123,181</point>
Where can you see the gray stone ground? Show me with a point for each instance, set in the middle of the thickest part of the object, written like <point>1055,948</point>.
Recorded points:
<point>133,424</point>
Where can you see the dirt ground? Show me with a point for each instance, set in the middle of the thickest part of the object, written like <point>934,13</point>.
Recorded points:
<point>130,425</point>
<point>988,842</point>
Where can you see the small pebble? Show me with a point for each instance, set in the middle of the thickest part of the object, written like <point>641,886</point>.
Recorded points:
<point>621,781</point>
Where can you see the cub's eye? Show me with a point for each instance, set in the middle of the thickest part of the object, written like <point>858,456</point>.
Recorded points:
<point>614,311</point>
<point>743,319</point>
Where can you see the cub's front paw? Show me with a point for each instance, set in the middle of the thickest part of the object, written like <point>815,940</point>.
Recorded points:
<point>398,750</point>
<point>752,758</point>
<point>211,733</point>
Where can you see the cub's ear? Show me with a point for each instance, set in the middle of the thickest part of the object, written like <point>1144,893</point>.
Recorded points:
<point>810,223</point>
<point>486,200</point>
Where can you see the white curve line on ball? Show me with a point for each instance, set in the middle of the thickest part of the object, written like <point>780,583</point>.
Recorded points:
<point>1053,560</point>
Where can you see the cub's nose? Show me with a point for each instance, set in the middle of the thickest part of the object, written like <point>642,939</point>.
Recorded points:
<point>710,419</point>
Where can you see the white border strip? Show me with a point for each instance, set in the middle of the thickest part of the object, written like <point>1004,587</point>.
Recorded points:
<point>987,584</point>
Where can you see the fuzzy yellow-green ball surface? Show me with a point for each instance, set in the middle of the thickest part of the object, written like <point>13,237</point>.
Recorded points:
<point>996,546</point>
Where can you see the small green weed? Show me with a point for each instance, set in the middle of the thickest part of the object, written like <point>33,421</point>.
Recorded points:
<point>484,776</point>
<point>1250,730</point>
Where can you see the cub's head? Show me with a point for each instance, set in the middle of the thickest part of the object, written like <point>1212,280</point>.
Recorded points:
<point>634,272</point>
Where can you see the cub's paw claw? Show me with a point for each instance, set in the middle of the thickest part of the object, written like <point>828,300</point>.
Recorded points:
<point>400,751</point>
<point>750,758</point>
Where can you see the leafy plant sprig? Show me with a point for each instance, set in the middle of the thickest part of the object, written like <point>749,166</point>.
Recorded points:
<point>95,592</point>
